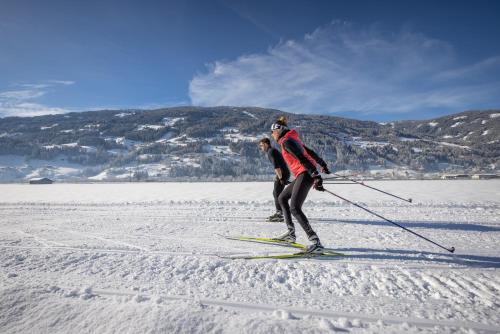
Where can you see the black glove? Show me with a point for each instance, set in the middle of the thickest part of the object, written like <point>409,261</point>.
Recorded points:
<point>283,182</point>
<point>318,181</point>
<point>325,169</point>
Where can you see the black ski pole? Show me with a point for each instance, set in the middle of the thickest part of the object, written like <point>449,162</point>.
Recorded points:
<point>451,250</point>
<point>332,178</point>
<point>409,200</point>
<point>336,177</point>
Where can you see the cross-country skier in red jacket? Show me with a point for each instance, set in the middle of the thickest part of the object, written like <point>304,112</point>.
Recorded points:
<point>302,162</point>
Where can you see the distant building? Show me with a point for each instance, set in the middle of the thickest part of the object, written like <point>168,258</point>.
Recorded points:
<point>42,180</point>
<point>484,176</point>
<point>455,176</point>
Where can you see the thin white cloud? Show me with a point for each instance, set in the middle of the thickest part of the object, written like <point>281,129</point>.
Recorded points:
<point>341,68</point>
<point>35,86</point>
<point>26,109</point>
<point>144,106</point>
<point>244,13</point>
<point>472,71</point>
<point>24,94</point>
<point>62,82</point>
<point>22,101</point>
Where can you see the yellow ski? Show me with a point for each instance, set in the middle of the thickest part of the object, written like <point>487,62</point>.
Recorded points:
<point>268,241</point>
<point>300,255</point>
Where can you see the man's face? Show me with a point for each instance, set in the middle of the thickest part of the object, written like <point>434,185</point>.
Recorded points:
<point>264,147</point>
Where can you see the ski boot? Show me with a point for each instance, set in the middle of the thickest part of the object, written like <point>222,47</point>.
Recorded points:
<point>288,237</point>
<point>277,217</point>
<point>316,246</point>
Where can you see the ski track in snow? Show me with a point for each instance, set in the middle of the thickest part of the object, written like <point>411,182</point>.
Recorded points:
<point>102,265</point>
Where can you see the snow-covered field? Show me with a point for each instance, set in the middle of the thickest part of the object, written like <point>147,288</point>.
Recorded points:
<point>144,258</point>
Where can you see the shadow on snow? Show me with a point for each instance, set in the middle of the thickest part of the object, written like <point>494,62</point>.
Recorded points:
<point>411,255</point>
<point>446,225</point>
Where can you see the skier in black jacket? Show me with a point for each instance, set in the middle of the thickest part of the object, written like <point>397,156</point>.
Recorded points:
<point>282,176</point>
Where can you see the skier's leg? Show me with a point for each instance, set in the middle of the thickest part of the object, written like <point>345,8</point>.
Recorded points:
<point>278,188</point>
<point>285,208</point>
<point>303,184</point>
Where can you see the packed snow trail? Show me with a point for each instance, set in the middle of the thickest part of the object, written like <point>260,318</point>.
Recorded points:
<point>106,259</point>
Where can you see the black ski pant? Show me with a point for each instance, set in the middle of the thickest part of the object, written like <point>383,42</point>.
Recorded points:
<point>297,192</point>
<point>278,188</point>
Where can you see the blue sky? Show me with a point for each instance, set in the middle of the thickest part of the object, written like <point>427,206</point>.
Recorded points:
<point>376,60</point>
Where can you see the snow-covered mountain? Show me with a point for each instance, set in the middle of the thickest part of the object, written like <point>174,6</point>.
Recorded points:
<point>221,142</point>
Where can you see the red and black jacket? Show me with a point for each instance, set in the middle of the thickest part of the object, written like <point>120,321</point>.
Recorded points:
<point>298,157</point>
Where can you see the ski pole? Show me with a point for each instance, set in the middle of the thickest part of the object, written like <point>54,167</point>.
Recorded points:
<point>336,177</point>
<point>332,178</point>
<point>409,200</point>
<point>451,250</point>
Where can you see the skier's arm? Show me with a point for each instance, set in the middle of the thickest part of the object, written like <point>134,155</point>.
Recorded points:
<point>273,157</point>
<point>292,147</point>
<point>315,156</point>
<point>318,159</point>
<point>279,173</point>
